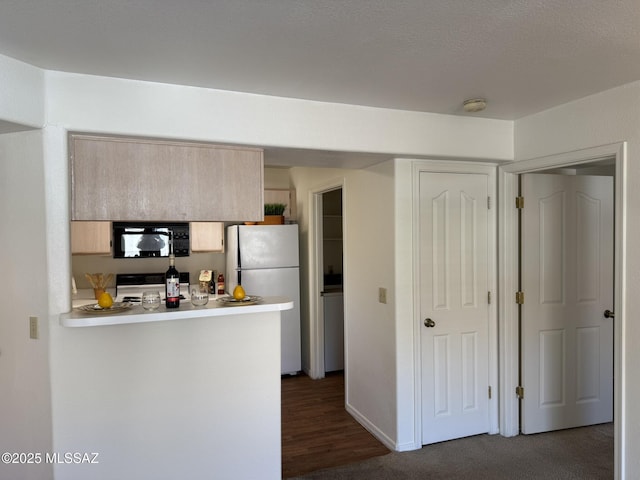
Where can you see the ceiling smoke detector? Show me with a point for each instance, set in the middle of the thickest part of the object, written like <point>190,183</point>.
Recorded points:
<point>474,105</point>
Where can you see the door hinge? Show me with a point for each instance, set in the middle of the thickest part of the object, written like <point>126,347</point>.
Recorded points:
<point>519,202</point>
<point>489,298</point>
<point>520,298</point>
<point>488,203</point>
<point>520,392</point>
<point>489,392</point>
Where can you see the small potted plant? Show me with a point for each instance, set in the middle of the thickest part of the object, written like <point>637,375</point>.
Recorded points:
<point>273,214</point>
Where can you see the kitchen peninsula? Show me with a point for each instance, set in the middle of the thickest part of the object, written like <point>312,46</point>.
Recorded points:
<point>137,314</point>
<point>189,393</point>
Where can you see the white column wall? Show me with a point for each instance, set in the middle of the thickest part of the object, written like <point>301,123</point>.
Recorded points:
<point>370,326</point>
<point>370,355</point>
<point>608,117</point>
<point>25,401</point>
<point>405,343</point>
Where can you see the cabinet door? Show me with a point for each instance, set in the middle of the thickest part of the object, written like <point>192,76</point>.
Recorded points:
<point>288,197</point>
<point>91,238</point>
<point>207,236</point>
<point>114,178</point>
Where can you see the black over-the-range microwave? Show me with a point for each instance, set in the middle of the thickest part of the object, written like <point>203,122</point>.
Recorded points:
<point>150,239</point>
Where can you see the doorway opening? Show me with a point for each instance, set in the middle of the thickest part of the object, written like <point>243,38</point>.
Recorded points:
<point>612,157</point>
<point>327,347</point>
<point>332,289</point>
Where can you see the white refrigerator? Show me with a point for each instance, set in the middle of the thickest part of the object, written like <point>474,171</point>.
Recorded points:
<point>264,259</point>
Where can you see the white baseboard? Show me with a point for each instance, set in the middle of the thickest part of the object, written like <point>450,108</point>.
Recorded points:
<point>379,434</point>
<point>407,447</point>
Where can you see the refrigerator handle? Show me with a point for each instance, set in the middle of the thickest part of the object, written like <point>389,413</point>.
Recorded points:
<point>238,247</point>
<point>239,279</point>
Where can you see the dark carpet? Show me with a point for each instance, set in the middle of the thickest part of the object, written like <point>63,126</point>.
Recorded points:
<point>576,454</point>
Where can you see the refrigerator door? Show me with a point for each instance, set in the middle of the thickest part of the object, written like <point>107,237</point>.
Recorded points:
<point>280,282</point>
<point>268,246</point>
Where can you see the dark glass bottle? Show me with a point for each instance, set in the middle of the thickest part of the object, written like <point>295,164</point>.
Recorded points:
<point>172,284</point>
<point>220,284</point>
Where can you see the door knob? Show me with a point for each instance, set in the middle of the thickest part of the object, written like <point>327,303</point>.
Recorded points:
<point>608,314</point>
<point>429,323</point>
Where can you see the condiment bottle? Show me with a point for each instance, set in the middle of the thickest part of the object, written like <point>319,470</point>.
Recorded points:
<point>220,284</point>
<point>213,284</point>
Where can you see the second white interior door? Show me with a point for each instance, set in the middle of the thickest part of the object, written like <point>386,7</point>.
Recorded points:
<point>567,279</point>
<point>454,243</point>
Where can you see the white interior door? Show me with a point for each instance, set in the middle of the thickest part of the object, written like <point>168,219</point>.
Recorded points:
<point>454,305</point>
<point>567,280</point>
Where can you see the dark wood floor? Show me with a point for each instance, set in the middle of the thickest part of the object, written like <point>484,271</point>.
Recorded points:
<point>317,431</point>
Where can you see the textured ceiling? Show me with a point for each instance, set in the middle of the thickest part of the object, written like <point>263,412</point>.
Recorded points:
<point>523,56</point>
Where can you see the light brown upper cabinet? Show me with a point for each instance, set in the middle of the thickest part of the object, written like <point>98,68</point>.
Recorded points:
<point>91,238</point>
<point>134,179</point>
<point>207,237</point>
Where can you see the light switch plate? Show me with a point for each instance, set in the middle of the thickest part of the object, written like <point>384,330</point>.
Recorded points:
<point>382,295</point>
<point>33,327</point>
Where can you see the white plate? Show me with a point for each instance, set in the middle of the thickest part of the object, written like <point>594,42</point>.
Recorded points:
<point>232,302</point>
<point>117,307</point>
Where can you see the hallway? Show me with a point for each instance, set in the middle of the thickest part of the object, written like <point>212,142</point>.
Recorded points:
<point>317,431</point>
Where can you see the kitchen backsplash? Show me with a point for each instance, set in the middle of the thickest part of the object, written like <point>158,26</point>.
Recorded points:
<point>81,264</point>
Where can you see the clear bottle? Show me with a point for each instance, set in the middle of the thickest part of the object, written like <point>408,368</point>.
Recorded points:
<point>172,284</point>
<point>220,284</point>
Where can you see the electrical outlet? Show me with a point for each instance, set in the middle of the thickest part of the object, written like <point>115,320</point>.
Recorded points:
<point>33,327</point>
<point>382,295</point>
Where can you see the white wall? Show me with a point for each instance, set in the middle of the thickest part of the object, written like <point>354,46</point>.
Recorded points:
<point>368,210</point>
<point>608,117</point>
<point>21,95</point>
<point>108,105</point>
<point>370,325</point>
<point>277,178</point>
<point>25,401</point>
<point>191,398</point>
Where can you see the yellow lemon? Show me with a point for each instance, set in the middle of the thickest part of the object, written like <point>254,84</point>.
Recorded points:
<point>238,292</point>
<point>105,300</point>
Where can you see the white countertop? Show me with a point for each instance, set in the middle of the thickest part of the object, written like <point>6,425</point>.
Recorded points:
<point>137,314</point>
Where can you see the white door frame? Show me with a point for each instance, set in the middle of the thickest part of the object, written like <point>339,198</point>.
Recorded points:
<point>508,274</point>
<point>316,279</point>
<point>436,166</point>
